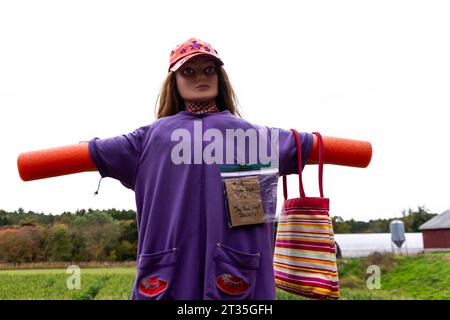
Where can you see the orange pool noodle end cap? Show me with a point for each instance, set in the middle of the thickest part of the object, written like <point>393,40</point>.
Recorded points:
<point>344,152</point>
<point>55,162</point>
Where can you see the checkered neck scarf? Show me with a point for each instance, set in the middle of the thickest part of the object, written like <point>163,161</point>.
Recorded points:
<point>201,107</point>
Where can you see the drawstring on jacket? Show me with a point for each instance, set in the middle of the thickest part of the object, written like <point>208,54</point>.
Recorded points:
<point>98,188</point>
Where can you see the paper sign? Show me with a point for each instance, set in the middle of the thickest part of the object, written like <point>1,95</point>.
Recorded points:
<point>244,201</point>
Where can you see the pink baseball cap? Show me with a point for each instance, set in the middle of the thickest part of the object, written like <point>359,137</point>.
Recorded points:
<point>189,49</point>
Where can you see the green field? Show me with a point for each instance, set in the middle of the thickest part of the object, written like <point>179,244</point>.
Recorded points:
<point>102,283</point>
<point>424,276</point>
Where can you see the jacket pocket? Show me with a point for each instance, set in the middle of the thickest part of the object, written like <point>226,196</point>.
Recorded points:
<point>233,274</point>
<point>155,273</point>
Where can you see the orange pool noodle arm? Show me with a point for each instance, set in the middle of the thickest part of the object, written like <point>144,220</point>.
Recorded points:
<point>344,152</point>
<point>75,158</point>
<point>55,162</point>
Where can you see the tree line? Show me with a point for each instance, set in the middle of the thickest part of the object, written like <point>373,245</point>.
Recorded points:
<point>86,235</point>
<point>412,220</point>
<point>111,235</point>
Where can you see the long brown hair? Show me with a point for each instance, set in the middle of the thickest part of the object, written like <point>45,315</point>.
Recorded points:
<point>170,101</point>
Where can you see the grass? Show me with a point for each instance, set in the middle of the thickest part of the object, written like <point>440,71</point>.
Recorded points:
<point>422,276</point>
<point>105,284</point>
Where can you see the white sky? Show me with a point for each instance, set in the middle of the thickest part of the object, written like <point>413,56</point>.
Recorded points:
<point>368,70</point>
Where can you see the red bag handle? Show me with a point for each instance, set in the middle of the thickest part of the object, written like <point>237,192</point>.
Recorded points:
<point>299,163</point>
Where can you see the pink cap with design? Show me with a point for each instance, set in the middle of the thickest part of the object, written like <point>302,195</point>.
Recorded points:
<point>189,49</point>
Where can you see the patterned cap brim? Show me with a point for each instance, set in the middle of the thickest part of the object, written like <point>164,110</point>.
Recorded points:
<point>182,61</point>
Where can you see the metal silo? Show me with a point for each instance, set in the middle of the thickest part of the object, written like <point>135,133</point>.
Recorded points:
<point>397,228</point>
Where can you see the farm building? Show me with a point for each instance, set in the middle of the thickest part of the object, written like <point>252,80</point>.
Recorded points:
<point>436,232</point>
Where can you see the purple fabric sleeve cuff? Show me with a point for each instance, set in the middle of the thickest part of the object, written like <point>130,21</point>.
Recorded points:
<point>95,158</point>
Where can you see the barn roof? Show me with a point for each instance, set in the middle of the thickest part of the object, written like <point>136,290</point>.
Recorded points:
<point>441,221</point>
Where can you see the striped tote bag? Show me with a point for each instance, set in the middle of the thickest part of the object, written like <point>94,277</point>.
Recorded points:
<point>305,251</point>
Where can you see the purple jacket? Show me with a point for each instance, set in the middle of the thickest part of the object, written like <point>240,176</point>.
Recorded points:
<point>186,249</point>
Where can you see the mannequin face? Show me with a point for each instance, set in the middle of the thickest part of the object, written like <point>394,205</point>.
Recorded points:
<point>197,80</point>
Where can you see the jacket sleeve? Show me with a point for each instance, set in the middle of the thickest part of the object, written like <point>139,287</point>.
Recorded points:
<point>118,157</point>
<point>288,151</point>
